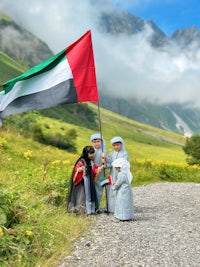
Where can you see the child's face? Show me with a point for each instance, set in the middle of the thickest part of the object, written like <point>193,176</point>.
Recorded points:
<point>118,169</point>
<point>91,156</point>
<point>96,143</point>
<point>117,146</point>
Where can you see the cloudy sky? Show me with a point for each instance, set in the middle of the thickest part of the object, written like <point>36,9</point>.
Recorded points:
<point>125,66</point>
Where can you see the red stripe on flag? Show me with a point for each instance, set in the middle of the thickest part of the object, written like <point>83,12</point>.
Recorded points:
<point>81,60</point>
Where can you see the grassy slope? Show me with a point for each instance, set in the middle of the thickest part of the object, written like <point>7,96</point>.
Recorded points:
<point>142,141</point>
<point>9,68</point>
<point>138,144</point>
<point>36,186</point>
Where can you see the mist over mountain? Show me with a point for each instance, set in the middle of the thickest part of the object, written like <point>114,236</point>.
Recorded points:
<point>22,45</point>
<point>171,115</point>
<point>146,75</point>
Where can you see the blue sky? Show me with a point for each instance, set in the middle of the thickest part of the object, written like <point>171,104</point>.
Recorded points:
<point>169,15</point>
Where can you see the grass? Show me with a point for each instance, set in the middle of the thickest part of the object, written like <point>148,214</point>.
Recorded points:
<point>23,171</point>
<point>9,68</point>
<point>4,17</point>
<point>140,140</point>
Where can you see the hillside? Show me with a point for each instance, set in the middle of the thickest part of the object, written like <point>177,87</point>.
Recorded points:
<point>140,139</point>
<point>9,68</point>
<point>178,118</point>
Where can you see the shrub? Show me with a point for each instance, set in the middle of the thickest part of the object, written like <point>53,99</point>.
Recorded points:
<point>66,142</point>
<point>192,149</point>
<point>145,172</point>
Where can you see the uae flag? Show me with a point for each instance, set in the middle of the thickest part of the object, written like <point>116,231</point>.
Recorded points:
<point>104,181</point>
<point>67,77</point>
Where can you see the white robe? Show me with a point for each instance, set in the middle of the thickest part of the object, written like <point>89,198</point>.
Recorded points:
<point>124,198</point>
<point>98,162</point>
<point>111,194</point>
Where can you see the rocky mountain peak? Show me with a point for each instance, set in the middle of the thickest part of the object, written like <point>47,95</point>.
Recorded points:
<point>185,37</point>
<point>20,44</point>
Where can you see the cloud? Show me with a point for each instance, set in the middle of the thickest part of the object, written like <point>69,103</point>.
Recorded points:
<point>126,66</point>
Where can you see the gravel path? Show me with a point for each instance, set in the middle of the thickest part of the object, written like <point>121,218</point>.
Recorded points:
<point>165,233</point>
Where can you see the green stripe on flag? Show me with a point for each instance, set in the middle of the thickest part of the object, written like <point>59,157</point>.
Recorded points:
<point>103,181</point>
<point>44,66</point>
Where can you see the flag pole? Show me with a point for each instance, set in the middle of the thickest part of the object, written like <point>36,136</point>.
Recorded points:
<point>100,129</point>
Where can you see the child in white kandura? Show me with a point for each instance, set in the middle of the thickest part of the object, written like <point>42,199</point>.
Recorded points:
<point>99,159</point>
<point>123,189</point>
<point>119,151</point>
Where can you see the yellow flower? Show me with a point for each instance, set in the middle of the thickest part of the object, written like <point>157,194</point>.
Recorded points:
<point>28,154</point>
<point>66,162</point>
<point>56,162</point>
<point>29,233</point>
<point>1,232</point>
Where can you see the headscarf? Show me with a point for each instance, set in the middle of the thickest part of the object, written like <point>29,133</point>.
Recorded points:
<point>124,167</point>
<point>99,136</point>
<point>118,139</point>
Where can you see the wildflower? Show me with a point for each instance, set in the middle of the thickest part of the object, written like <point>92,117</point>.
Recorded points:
<point>55,162</point>
<point>28,154</point>
<point>66,162</point>
<point>1,232</point>
<point>29,233</point>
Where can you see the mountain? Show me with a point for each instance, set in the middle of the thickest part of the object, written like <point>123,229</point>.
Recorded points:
<point>21,45</point>
<point>186,37</point>
<point>124,22</point>
<point>172,117</point>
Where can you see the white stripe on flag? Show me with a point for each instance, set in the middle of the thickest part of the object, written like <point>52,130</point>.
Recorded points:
<point>44,81</point>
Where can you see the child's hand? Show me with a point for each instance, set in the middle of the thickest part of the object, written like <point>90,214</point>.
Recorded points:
<point>103,158</point>
<point>102,167</point>
<point>80,169</point>
<point>103,155</point>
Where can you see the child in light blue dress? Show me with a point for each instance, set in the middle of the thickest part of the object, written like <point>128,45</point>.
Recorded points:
<point>124,193</point>
<point>119,152</point>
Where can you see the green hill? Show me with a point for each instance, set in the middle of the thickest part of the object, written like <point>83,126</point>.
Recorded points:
<point>9,67</point>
